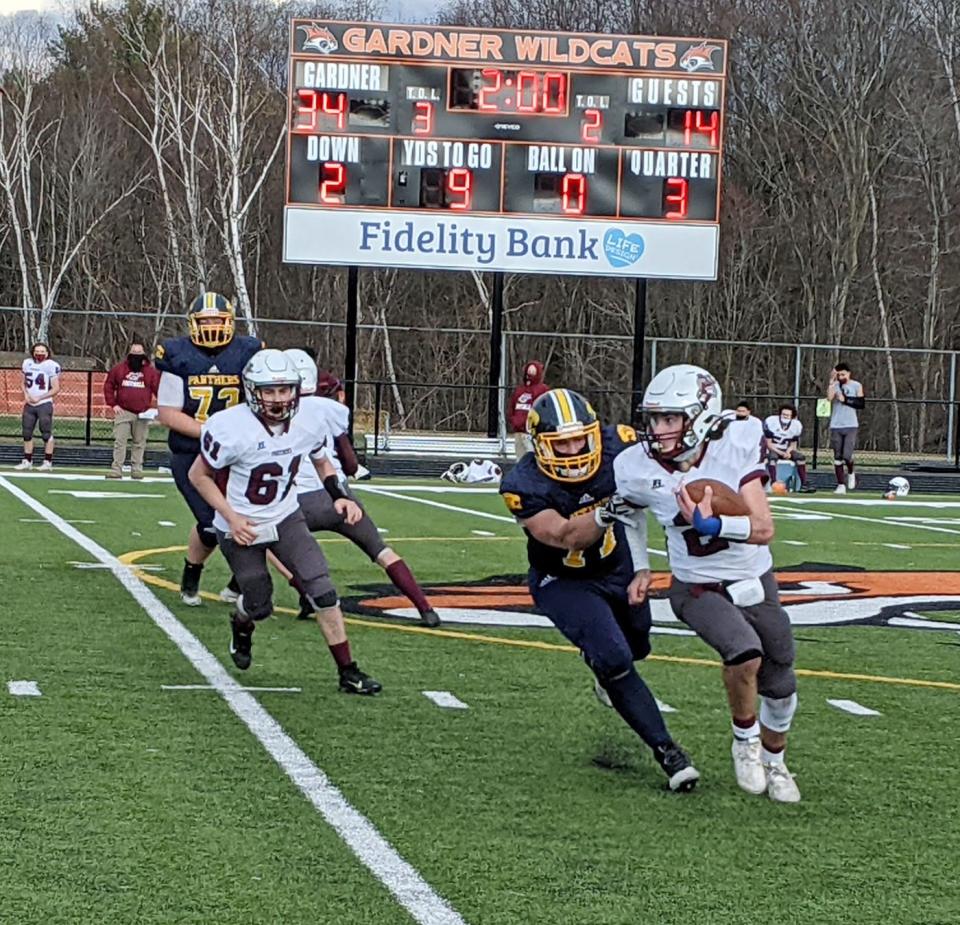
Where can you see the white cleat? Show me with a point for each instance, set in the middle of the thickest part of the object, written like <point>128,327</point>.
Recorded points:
<point>602,695</point>
<point>228,595</point>
<point>781,787</point>
<point>840,490</point>
<point>46,466</point>
<point>191,600</point>
<point>24,464</point>
<point>748,765</point>
<point>851,481</point>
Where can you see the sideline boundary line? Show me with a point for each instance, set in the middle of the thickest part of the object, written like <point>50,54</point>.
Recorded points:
<point>403,881</point>
<point>130,559</point>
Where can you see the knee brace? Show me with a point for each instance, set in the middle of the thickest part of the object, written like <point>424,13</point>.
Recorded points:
<point>255,617</point>
<point>777,713</point>
<point>742,658</point>
<point>324,600</point>
<point>207,535</point>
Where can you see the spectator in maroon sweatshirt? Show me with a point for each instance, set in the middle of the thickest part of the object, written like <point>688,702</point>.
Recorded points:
<point>130,389</point>
<point>521,401</point>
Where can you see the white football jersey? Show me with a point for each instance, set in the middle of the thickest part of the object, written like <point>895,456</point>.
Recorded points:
<point>782,436</point>
<point>259,466</point>
<point>37,377</point>
<point>734,459</point>
<point>337,422</point>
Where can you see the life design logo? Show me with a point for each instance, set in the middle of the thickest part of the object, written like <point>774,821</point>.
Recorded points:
<point>318,38</point>
<point>811,596</point>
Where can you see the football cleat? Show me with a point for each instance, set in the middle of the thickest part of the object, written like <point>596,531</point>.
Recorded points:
<point>748,766</point>
<point>851,481</point>
<point>354,681</point>
<point>781,787</point>
<point>241,642</point>
<point>807,489</point>
<point>306,609</point>
<point>840,490</point>
<point>682,776</point>
<point>24,464</point>
<point>231,592</point>
<point>190,585</point>
<point>430,618</point>
<point>46,466</point>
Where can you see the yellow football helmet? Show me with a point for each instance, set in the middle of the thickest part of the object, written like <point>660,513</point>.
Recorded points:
<point>211,320</point>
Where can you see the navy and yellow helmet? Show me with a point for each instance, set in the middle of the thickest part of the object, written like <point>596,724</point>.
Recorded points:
<point>211,320</point>
<point>560,415</point>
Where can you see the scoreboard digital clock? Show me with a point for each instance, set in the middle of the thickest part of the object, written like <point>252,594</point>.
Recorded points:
<point>504,150</point>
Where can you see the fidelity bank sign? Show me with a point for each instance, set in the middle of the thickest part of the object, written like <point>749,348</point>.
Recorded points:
<point>450,241</point>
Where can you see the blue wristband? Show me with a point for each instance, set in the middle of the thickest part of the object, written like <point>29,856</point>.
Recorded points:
<point>706,526</point>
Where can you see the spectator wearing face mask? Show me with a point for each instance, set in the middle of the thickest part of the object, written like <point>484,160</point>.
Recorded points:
<point>130,389</point>
<point>520,403</point>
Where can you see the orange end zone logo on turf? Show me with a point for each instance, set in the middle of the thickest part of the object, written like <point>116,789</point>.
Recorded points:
<point>811,598</point>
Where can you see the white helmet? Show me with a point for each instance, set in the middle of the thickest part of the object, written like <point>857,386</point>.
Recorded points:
<point>899,487</point>
<point>306,367</point>
<point>691,392</point>
<point>268,368</point>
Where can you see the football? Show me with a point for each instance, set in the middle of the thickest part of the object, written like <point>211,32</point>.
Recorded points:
<point>779,488</point>
<point>726,501</point>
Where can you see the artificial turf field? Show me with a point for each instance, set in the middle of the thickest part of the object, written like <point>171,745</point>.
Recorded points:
<point>122,801</point>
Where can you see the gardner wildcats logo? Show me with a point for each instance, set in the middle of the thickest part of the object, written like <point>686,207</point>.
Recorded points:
<point>319,38</point>
<point>811,597</point>
<point>699,58</point>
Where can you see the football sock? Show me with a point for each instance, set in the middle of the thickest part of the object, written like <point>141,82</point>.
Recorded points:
<point>48,457</point>
<point>772,472</point>
<point>28,456</point>
<point>802,472</point>
<point>850,466</point>
<point>838,472</point>
<point>403,580</point>
<point>747,728</point>
<point>192,570</point>
<point>341,653</point>
<point>632,699</point>
<point>771,756</point>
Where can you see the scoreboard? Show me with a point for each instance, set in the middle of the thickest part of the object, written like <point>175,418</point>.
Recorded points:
<point>484,149</point>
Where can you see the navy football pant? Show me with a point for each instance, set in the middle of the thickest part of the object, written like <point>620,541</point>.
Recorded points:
<point>180,464</point>
<point>595,617</point>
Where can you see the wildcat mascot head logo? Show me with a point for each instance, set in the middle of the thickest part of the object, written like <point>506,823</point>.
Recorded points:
<point>319,38</point>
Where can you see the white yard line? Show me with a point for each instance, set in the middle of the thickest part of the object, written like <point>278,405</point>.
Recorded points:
<point>864,502</point>
<point>851,706</point>
<point>208,687</point>
<point>371,848</point>
<point>452,507</point>
<point>890,522</point>
<point>445,699</point>
<point>24,688</point>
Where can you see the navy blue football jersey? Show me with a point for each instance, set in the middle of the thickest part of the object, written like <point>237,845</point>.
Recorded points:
<point>211,381</point>
<point>527,491</point>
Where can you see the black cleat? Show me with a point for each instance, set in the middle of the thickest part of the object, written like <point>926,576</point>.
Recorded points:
<point>306,609</point>
<point>807,489</point>
<point>190,584</point>
<point>682,776</point>
<point>354,681</point>
<point>430,618</point>
<point>241,644</point>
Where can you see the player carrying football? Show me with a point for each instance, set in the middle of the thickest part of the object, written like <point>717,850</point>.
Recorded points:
<point>585,577</point>
<point>723,585</point>
<point>246,471</point>
<point>199,375</point>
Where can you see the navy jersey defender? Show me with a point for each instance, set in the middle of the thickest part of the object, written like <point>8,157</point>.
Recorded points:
<point>200,374</point>
<point>585,565</point>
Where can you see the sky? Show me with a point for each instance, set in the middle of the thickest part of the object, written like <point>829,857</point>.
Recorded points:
<point>394,10</point>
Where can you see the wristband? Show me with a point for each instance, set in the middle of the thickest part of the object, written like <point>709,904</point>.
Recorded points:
<point>707,526</point>
<point>332,487</point>
<point>735,528</point>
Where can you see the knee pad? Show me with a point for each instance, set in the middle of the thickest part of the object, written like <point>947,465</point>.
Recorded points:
<point>838,462</point>
<point>260,614</point>
<point>777,713</point>
<point>324,600</point>
<point>611,665</point>
<point>743,657</point>
<point>207,535</point>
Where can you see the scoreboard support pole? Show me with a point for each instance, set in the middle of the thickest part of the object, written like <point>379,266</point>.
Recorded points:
<point>496,357</point>
<point>639,345</point>
<point>350,358</point>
